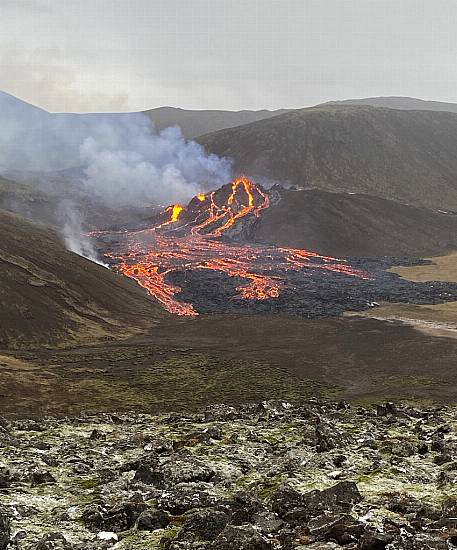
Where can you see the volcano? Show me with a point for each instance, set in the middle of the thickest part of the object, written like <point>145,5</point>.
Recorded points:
<point>198,259</point>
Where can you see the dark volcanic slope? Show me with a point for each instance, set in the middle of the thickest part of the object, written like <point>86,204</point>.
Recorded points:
<point>409,156</point>
<point>49,295</point>
<point>354,225</point>
<point>196,123</point>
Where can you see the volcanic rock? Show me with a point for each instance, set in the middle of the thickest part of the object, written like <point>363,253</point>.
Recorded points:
<point>39,478</point>
<point>53,541</point>
<point>151,520</point>
<point>120,517</point>
<point>204,525</point>
<point>253,488</point>
<point>5,531</point>
<point>244,537</point>
<point>147,475</point>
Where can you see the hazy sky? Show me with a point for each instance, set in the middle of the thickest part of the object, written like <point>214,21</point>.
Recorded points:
<point>90,55</point>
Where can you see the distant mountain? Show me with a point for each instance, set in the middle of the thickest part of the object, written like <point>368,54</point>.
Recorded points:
<point>196,123</point>
<point>398,102</point>
<point>52,296</point>
<point>408,156</point>
<point>354,225</point>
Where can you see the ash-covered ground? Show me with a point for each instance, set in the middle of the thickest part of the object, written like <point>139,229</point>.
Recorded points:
<point>311,293</point>
<point>265,476</point>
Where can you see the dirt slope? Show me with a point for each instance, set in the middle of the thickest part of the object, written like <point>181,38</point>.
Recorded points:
<point>52,296</point>
<point>354,225</point>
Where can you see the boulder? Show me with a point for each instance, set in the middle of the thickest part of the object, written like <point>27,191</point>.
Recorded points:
<point>151,520</point>
<point>184,469</point>
<point>338,498</point>
<point>145,474</point>
<point>53,541</point>
<point>117,518</point>
<point>243,537</point>
<point>40,478</point>
<point>204,525</point>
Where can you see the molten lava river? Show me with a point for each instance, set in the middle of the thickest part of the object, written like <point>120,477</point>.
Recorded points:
<point>204,238</point>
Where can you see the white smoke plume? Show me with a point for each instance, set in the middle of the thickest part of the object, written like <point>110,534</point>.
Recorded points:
<point>116,159</point>
<point>74,236</point>
<point>120,158</point>
<point>127,163</point>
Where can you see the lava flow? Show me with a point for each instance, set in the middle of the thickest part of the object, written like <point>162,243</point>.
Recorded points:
<point>193,239</point>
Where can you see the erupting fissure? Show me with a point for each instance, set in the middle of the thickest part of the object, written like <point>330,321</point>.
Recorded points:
<point>190,239</point>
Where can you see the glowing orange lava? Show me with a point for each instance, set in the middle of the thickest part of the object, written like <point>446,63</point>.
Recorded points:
<point>176,210</point>
<point>190,239</point>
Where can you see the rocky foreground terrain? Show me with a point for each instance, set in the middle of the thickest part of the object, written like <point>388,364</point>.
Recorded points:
<point>273,475</point>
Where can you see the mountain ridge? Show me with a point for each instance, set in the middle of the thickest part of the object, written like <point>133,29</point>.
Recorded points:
<point>398,102</point>
<point>408,156</point>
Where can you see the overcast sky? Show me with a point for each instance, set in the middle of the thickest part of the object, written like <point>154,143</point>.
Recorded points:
<point>92,55</point>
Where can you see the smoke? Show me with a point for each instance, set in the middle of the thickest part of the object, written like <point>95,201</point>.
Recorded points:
<point>128,163</point>
<point>118,158</point>
<point>72,231</point>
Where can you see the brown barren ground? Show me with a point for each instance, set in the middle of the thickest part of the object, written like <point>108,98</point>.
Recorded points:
<point>436,320</point>
<point>187,364</point>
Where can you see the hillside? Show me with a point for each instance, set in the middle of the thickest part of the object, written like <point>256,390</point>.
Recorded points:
<point>52,296</point>
<point>408,156</point>
<point>354,225</point>
<point>196,123</point>
<point>398,102</point>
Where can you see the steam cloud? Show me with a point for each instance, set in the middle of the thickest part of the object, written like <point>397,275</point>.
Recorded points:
<point>119,158</point>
